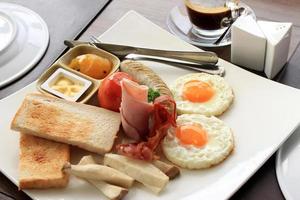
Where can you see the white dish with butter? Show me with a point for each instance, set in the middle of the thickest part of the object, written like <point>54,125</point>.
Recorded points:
<point>258,128</point>
<point>66,85</point>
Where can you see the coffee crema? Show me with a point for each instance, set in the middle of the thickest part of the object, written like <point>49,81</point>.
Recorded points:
<point>208,18</point>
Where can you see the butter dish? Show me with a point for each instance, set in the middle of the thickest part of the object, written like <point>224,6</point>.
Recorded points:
<point>63,63</point>
<point>66,85</point>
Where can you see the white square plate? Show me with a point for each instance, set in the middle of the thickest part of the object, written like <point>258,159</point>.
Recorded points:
<point>263,115</point>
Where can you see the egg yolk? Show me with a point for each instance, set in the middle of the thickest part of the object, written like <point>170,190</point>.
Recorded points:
<point>191,135</point>
<point>197,91</point>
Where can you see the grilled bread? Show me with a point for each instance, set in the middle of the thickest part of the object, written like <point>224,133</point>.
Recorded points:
<point>41,163</point>
<point>144,172</point>
<point>110,191</point>
<point>85,126</point>
<point>100,172</point>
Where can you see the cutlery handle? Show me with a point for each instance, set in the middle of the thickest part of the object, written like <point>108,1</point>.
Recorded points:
<point>208,68</point>
<point>73,43</point>
<point>206,57</point>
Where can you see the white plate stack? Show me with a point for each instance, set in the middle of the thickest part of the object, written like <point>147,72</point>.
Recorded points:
<point>24,38</point>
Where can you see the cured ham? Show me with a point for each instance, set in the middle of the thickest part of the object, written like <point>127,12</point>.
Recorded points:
<point>147,122</point>
<point>135,109</point>
<point>163,118</point>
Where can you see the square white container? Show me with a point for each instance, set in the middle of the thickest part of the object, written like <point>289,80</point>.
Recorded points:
<point>248,44</point>
<point>278,36</point>
<point>60,72</point>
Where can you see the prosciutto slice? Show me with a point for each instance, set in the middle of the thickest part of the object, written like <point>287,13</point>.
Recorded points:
<point>164,118</point>
<point>135,109</point>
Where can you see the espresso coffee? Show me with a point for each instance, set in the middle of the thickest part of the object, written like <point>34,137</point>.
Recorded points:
<point>208,18</point>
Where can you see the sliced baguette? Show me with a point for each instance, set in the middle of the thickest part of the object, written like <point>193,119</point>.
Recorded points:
<point>99,172</point>
<point>110,191</point>
<point>170,170</point>
<point>41,163</point>
<point>89,127</point>
<point>144,172</point>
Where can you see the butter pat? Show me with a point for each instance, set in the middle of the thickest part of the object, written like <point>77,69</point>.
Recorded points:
<point>66,85</point>
<point>278,41</point>
<point>248,44</point>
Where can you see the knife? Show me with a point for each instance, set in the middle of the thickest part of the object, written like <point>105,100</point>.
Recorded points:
<point>121,51</point>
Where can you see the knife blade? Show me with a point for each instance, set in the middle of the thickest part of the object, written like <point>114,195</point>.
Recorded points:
<point>122,51</point>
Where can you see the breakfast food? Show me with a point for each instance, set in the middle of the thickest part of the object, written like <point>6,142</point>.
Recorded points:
<point>148,116</point>
<point>99,172</point>
<point>198,142</point>
<point>85,126</point>
<point>110,191</point>
<point>109,93</point>
<point>66,86</point>
<point>92,65</point>
<point>145,76</point>
<point>170,170</point>
<point>135,97</point>
<point>143,172</point>
<point>152,101</point>
<point>202,93</point>
<point>152,124</point>
<point>41,162</point>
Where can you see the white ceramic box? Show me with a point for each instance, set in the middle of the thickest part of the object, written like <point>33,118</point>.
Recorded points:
<point>248,44</point>
<point>278,41</point>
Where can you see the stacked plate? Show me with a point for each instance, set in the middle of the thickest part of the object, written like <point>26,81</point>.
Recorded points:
<point>24,38</point>
<point>287,166</point>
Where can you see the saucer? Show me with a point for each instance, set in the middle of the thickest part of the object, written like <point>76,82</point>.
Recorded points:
<point>24,38</point>
<point>179,24</point>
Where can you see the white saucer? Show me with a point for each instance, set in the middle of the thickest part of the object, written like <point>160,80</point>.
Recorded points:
<point>180,25</point>
<point>24,38</point>
<point>288,167</point>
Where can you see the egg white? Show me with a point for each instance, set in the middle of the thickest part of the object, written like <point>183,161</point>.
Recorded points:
<point>219,145</point>
<point>219,103</point>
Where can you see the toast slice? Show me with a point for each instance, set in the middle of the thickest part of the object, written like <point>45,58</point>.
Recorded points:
<point>41,163</point>
<point>89,127</point>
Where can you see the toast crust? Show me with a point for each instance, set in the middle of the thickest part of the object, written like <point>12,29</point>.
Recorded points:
<point>41,163</point>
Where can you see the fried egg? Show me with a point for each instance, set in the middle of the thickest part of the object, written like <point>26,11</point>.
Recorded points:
<point>198,141</point>
<point>202,93</point>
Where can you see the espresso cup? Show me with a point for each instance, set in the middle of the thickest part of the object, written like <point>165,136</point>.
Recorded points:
<point>210,18</point>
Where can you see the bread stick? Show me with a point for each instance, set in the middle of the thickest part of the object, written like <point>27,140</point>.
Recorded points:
<point>110,191</point>
<point>99,172</point>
